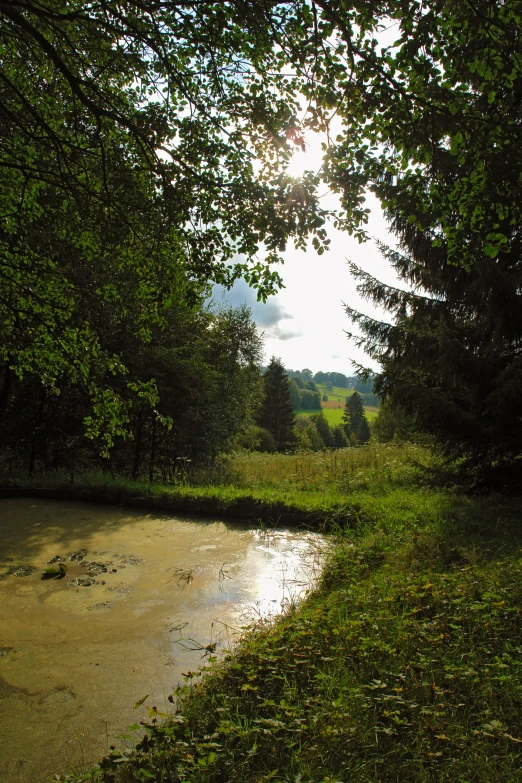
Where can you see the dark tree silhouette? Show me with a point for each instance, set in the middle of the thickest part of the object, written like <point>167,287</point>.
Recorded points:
<point>277,415</point>
<point>355,422</point>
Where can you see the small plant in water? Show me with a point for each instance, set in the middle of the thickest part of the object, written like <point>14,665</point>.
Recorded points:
<point>181,471</point>
<point>185,575</point>
<point>55,573</point>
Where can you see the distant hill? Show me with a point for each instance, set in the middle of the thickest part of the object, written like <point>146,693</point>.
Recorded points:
<point>307,391</point>
<point>336,400</point>
<point>337,379</point>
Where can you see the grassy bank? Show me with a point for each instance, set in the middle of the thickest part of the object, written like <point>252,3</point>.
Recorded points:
<point>404,664</point>
<point>304,489</point>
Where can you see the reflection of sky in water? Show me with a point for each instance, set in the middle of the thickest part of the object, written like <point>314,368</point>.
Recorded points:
<point>282,569</point>
<point>274,571</point>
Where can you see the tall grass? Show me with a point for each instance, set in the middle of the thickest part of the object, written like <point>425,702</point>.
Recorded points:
<point>375,468</point>
<point>318,489</point>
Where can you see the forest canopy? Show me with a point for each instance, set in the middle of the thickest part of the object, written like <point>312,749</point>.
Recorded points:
<point>429,97</point>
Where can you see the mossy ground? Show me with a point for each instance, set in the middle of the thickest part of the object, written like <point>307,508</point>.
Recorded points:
<point>403,665</point>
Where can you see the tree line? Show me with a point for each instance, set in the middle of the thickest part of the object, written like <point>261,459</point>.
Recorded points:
<point>332,378</point>
<point>304,394</point>
<point>205,366</point>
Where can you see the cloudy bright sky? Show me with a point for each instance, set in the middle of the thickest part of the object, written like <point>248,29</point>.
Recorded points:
<point>305,323</point>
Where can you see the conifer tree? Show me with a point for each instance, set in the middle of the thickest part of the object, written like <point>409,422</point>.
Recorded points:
<point>277,414</point>
<point>364,431</point>
<point>354,419</point>
<point>451,356</point>
<point>340,439</point>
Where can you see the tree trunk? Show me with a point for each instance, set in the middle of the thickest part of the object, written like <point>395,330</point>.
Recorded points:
<point>6,390</point>
<point>38,420</point>
<point>152,451</point>
<point>138,447</point>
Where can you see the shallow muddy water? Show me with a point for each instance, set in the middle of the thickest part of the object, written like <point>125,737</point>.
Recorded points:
<point>141,598</point>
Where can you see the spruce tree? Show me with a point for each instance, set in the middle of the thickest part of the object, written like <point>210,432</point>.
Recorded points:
<point>364,431</point>
<point>451,356</point>
<point>354,419</point>
<point>277,414</point>
<point>340,439</point>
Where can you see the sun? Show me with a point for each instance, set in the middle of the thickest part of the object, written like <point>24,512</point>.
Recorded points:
<point>307,152</point>
<point>300,162</point>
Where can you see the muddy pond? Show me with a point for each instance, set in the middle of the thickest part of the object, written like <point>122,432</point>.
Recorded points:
<point>136,600</point>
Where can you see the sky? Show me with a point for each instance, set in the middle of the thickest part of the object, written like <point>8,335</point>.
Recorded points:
<point>304,325</point>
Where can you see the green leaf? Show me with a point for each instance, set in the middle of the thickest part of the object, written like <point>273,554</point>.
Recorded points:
<point>490,250</point>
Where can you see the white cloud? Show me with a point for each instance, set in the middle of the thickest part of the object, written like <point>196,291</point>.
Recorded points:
<point>316,287</point>
<point>268,316</point>
<point>278,333</point>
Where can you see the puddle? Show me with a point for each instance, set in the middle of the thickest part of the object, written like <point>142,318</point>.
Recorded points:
<point>134,600</point>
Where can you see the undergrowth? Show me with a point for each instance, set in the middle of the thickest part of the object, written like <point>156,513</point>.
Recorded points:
<point>375,469</point>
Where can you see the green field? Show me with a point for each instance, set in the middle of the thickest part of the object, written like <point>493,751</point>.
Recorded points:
<point>337,392</point>
<point>334,416</point>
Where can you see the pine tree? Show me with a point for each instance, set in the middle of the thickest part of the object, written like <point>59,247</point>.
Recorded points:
<point>354,418</point>
<point>277,414</point>
<point>451,357</point>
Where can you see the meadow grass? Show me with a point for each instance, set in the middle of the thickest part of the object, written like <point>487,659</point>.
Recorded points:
<point>334,416</point>
<point>373,468</point>
<point>404,664</point>
<point>336,397</point>
<point>325,484</point>
<point>302,488</point>
<point>337,392</point>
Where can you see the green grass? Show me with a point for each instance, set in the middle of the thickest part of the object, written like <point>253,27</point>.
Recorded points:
<point>403,665</point>
<point>373,470</point>
<point>337,393</point>
<point>304,488</point>
<point>270,504</point>
<point>334,416</point>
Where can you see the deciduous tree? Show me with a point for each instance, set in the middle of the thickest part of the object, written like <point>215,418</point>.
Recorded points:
<point>431,123</point>
<point>206,369</point>
<point>142,151</point>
